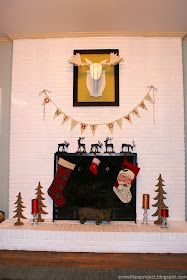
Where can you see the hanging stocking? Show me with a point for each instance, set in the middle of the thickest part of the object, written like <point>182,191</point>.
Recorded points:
<point>56,190</point>
<point>94,166</point>
<point>124,181</point>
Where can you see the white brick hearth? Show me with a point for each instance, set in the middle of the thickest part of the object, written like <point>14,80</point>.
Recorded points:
<point>66,236</point>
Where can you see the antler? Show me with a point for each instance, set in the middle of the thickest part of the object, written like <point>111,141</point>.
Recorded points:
<point>76,60</point>
<point>114,59</point>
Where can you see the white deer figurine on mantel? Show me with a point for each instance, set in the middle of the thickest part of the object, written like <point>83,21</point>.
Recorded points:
<point>95,79</point>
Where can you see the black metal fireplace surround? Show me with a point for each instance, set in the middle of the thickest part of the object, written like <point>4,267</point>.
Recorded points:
<point>96,191</point>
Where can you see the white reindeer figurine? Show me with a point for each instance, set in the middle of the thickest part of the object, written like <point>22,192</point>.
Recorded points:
<point>95,79</point>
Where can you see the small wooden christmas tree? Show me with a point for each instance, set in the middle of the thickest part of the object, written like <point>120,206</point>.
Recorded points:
<point>39,194</point>
<point>160,200</point>
<point>19,210</point>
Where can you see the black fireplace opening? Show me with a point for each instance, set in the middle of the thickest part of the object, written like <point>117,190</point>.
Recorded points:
<point>95,191</point>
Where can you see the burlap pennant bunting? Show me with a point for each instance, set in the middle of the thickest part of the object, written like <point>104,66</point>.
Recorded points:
<point>93,128</point>
<point>73,123</point>
<point>136,112</point>
<point>58,112</point>
<point>128,117</point>
<point>65,118</point>
<point>149,98</point>
<point>83,127</point>
<point>119,123</point>
<point>110,126</point>
<point>142,105</point>
<point>46,100</point>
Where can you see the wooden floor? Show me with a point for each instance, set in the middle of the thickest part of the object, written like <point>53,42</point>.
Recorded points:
<point>95,260</point>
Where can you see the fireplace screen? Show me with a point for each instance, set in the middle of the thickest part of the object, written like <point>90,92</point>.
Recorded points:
<point>95,191</point>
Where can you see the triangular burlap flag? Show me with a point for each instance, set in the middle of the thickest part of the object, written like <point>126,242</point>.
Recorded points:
<point>142,105</point>
<point>65,118</point>
<point>135,112</point>
<point>73,123</point>
<point>128,118</point>
<point>93,128</point>
<point>83,127</point>
<point>119,122</point>
<point>110,126</point>
<point>149,98</point>
<point>57,113</point>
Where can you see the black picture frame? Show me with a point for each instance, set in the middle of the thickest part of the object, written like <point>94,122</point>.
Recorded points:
<point>115,86</point>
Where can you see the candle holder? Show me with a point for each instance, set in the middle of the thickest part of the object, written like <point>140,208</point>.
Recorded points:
<point>145,206</point>
<point>35,219</point>
<point>164,223</point>
<point>164,215</point>
<point>145,216</point>
<point>35,211</point>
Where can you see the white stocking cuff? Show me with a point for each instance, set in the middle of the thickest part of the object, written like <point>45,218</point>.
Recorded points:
<point>66,164</point>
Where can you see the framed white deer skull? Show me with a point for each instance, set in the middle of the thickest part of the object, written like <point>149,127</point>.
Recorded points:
<point>96,77</point>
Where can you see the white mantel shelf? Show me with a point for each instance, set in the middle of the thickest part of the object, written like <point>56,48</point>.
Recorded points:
<point>71,236</point>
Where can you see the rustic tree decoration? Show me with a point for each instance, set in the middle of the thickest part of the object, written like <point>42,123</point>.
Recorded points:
<point>160,200</point>
<point>39,194</point>
<point>19,211</point>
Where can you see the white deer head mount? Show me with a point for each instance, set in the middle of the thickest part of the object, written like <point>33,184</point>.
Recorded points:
<point>95,79</point>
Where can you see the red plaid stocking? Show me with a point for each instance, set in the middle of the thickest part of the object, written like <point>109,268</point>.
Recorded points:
<point>56,190</point>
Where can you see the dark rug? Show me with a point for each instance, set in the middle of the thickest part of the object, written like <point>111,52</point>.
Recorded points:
<point>57,273</point>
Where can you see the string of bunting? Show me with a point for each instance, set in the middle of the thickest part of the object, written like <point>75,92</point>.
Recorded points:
<point>83,125</point>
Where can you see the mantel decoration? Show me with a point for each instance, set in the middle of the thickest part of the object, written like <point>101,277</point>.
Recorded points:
<point>34,210</point>
<point>164,215</point>
<point>145,206</point>
<point>95,148</point>
<point>41,205</point>
<point>124,181</point>
<point>160,213</point>
<point>96,77</point>
<point>19,211</point>
<point>93,126</point>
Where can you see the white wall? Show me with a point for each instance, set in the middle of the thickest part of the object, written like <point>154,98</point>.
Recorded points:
<point>39,64</point>
<point>184,45</point>
<point>5,85</point>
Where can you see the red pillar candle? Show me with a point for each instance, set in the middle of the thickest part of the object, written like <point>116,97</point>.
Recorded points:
<point>145,202</point>
<point>164,212</point>
<point>35,206</point>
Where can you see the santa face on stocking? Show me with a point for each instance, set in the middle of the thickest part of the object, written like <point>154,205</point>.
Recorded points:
<point>125,177</point>
<point>123,185</point>
<point>124,181</point>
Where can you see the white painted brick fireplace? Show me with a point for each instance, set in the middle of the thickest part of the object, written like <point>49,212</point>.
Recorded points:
<point>42,64</point>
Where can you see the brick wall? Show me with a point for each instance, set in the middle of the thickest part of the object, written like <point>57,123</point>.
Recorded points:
<point>42,64</point>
